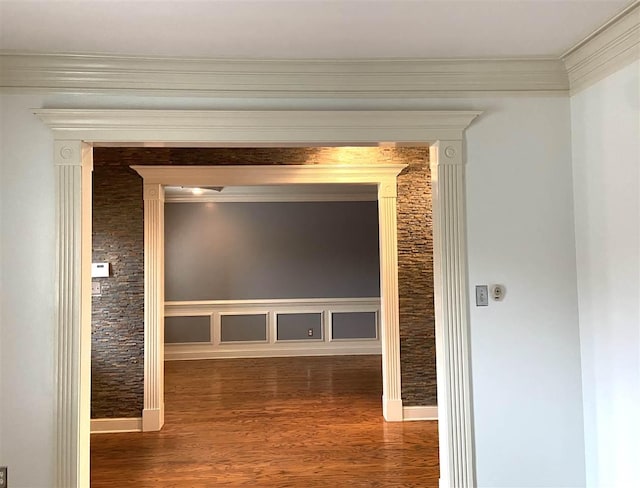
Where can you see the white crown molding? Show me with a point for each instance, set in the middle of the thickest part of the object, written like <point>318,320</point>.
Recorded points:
<point>608,49</point>
<point>318,78</point>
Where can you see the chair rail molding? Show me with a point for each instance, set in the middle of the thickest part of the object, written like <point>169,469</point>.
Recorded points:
<point>283,78</point>
<point>77,131</point>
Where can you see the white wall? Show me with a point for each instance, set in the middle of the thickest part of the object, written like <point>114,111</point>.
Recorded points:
<point>526,366</point>
<point>27,300</point>
<point>606,161</point>
<point>525,350</point>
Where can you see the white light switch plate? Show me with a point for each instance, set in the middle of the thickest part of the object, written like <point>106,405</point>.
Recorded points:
<point>482,295</point>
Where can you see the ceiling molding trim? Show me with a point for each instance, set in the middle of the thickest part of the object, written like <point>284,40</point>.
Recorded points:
<point>610,48</point>
<point>355,78</point>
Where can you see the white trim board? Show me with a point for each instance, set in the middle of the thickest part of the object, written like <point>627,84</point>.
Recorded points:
<point>284,78</point>
<point>420,413</point>
<point>275,193</point>
<point>111,426</point>
<point>185,352</point>
<point>384,176</point>
<point>75,134</point>
<point>608,49</point>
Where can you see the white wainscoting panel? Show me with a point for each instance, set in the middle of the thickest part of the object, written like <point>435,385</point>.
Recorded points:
<point>272,347</point>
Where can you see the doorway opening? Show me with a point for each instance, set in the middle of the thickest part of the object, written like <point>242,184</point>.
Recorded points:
<point>76,132</point>
<point>187,306</point>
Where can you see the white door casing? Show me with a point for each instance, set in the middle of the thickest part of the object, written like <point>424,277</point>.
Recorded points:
<point>76,131</point>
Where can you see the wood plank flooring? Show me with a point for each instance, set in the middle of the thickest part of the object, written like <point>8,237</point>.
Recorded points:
<point>272,422</point>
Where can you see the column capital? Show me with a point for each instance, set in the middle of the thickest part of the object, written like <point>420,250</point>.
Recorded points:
<point>446,152</point>
<point>153,192</point>
<point>68,152</point>
<point>388,188</point>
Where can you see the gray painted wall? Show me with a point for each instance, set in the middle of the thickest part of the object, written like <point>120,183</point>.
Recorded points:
<point>237,251</point>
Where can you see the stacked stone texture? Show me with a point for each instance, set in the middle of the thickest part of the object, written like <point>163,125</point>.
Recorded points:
<point>118,238</point>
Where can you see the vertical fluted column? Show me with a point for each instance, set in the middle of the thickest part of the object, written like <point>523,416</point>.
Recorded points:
<point>153,413</point>
<point>73,165</point>
<point>390,329</point>
<point>457,468</point>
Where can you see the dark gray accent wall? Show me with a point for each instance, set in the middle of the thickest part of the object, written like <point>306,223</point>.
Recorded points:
<point>244,251</point>
<point>118,327</point>
<point>353,325</point>
<point>179,330</point>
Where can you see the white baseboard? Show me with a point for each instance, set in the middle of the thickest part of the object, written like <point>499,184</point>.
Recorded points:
<point>191,352</point>
<point>110,426</point>
<point>420,413</point>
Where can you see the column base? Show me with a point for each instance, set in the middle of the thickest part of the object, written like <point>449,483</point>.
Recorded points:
<point>392,410</point>
<point>152,419</point>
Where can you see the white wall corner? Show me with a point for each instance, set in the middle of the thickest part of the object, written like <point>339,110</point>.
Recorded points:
<point>610,48</point>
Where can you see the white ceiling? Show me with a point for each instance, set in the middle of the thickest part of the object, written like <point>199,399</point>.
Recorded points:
<point>303,28</point>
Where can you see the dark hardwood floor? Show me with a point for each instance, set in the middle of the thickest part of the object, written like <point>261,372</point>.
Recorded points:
<point>273,422</point>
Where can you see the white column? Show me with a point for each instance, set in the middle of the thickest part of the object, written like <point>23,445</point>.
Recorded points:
<point>73,166</point>
<point>390,329</point>
<point>153,413</point>
<point>457,468</point>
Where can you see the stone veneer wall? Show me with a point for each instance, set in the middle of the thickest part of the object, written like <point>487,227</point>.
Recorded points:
<point>117,316</point>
